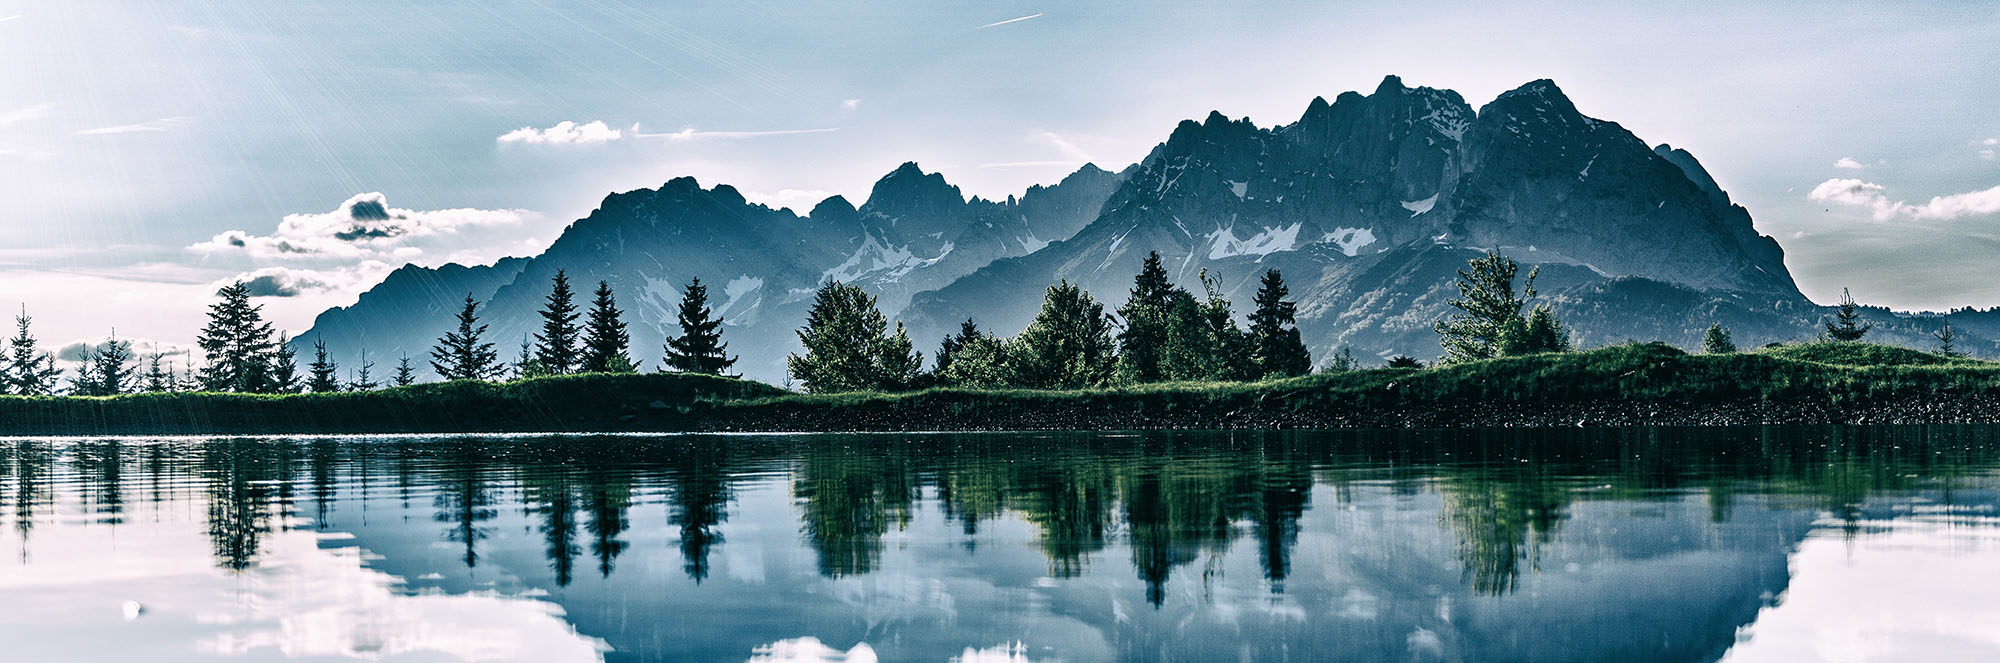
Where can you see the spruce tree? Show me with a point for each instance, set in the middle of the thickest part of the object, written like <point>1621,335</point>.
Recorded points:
<point>285,367</point>
<point>84,382</point>
<point>1275,346</point>
<point>459,354</point>
<point>699,348</point>
<point>236,343</point>
<point>1142,343</point>
<point>363,380</point>
<point>106,372</point>
<point>1716,340</point>
<point>1846,324</point>
<point>555,347</point>
<point>30,370</point>
<point>324,373</point>
<point>406,375</point>
<point>157,378</point>
<point>1947,340</point>
<point>1487,305</point>
<point>1068,345</point>
<point>605,341</point>
<point>950,346</point>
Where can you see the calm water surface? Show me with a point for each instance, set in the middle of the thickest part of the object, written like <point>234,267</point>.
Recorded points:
<point>1774,544</point>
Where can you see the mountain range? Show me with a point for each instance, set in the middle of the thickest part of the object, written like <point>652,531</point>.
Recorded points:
<point>1368,204</point>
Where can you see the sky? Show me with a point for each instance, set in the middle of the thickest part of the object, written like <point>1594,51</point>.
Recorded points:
<point>150,151</point>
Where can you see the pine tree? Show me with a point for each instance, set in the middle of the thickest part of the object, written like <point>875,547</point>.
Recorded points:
<point>324,373</point>
<point>605,340</point>
<point>285,367</point>
<point>848,347</point>
<point>362,380</point>
<point>30,371</point>
<point>105,372</point>
<point>1275,345</point>
<point>1846,324</point>
<point>1068,345</point>
<point>1142,343</point>
<point>1539,332</point>
<point>1716,340</point>
<point>158,378</point>
<point>236,343</point>
<point>555,347</point>
<point>950,346</point>
<point>84,382</point>
<point>973,358</point>
<point>525,365</point>
<point>699,348</point>
<point>406,375</point>
<point>1947,340</point>
<point>1487,305</point>
<point>459,354</point>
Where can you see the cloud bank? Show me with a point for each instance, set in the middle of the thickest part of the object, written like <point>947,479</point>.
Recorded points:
<point>564,133</point>
<point>1847,192</point>
<point>363,227</point>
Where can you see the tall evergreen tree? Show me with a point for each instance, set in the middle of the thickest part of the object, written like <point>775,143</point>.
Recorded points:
<point>460,355</point>
<point>525,365</point>
<point>1487,304</point>
<point>285,367</point>
<point>363,379</point>
<point>406,374</point>
<point>30,370</point>
<point>1716,340</point>
<point>556,347</point>
<point>1947,340</point>
<point>236,343</point>
<point>105,371</point>
<point>848,347</point>
<point>1846,324</point>
<point>1068,345</point>
<point>1275,346</point>
<point>950,346</point>
<point>158,378</point>
<point>324,373</point>
<point>699,348</point>
<point>605,341</point>
<point>1142,343</point>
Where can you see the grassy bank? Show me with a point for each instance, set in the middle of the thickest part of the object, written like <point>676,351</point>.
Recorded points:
<point>1621,385</point>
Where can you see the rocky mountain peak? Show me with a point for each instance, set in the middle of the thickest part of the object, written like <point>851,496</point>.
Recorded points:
<point>909,192</point>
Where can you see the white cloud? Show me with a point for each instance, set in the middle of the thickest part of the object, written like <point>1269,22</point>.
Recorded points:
<point>1990,141</point>
<point>35,112</point>
<point>1849,163</point>
<point>1869,195</point>
<point>564,133</point>
<point>149,126</point>
<point>363,227</point>
<point>289,282</point>
<point>850,104</point>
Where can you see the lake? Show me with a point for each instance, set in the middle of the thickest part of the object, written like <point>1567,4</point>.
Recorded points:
<point>1756,544</point>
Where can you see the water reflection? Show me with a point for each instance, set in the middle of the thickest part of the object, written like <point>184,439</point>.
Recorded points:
<point>1645,544</point>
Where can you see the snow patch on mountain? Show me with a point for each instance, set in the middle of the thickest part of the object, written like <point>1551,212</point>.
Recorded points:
<point>1350,240</point>
<point>1031,243</point>
<point>741,289</point>
<point>1417,207</point>
<point>873,256</point>
<point>1239,188</point>
<point>1271,240</point>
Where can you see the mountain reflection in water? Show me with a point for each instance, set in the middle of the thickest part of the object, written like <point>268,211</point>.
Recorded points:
<point>1586,545</point>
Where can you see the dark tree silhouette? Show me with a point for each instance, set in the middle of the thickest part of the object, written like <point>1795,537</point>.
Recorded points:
<point>699,348</point>
<point>556,347</point>
<point>324,373</point>
<point>30,371</point>
<point>605,341</point>
<point>460,355</point>
<point>1274,333</point>
<point>1846,324</point>
<point>1142,343</point>
<point>236,343</point>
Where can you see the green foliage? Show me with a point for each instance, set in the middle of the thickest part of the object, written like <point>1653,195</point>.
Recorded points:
<point>1846,324</point>
<point>974,359</point>
<point>364,379</point>
<point>848,347</point>
<point>29,370</point>
<point>1487,306</point>
<point>405,375</point>
<point>1275,346</point>
<point>236,343</point>
<point>1717,341</point>
<point>1404,361</point>
<point>105,370</point>
<point>1947,339</point>
<point>556,346</point>
<point>1342,361</point>
<point>605,341</point>
<point>699,348</point>
<point>1540,332</point>
<point>1068,345</point>
<point>284,368</point>
<point>323,374</point>
<point>460,354</point>
<point>157,378</point>
<point>1842,353</point>
<point>1142,344</point>
<point>1203,341</point>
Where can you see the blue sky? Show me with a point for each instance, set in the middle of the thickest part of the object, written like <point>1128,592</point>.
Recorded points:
<point>136,136</point>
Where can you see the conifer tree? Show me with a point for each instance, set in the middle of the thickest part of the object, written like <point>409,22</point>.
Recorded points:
<point>1539,332</point>
<point>973,358</point>
<point>236,343</point>
<point>1275,346</point>
<point>1068,345</point>
<point>555,347</point>
<point>525,365</point>
<point>324,374</point>
<point>1846,324</point>
<point>158,378</point>
<point>1203,341</point>
<point>1487,305</point>
<point>1947,340</point>
<point>605,341</point>
<point>406,375</point>
<point>1142,343</point>
<point>285,367</point>
<point>105,371</point>
<point>952,344</point>
<point>1404,361</point>
<point>1716,340</point>
<point>459,354</point>
<point>363,380</point>
<point>84,382</point>
<point>699,348</point>
<point>30,370</point>
<point>848,347</point>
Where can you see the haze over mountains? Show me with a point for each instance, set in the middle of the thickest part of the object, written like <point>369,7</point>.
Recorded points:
<point>1368,204</point>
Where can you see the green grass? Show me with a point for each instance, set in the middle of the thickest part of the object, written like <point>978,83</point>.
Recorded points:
<point>1833,373</point>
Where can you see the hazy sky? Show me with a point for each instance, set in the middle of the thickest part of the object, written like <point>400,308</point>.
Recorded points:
<point>149,150</point>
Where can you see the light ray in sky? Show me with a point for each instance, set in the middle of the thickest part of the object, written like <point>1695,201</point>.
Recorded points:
<point>1011,20</point>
